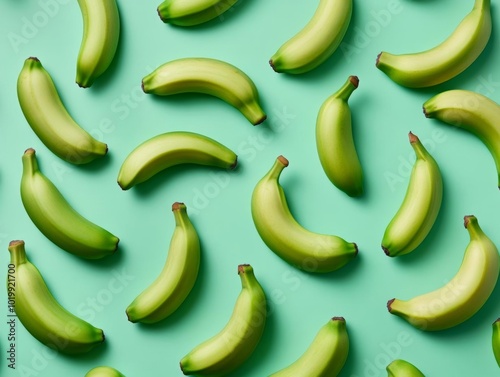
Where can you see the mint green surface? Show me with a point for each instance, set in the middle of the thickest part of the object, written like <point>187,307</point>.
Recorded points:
<point>117,112</point>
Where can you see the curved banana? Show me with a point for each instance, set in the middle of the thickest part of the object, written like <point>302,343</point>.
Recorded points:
<point>326,355</point>
<point>402,368</point>
<point>335,143</point>
<point>49,119</point>
<point>317,41</point>
<point>55,217</point>
<point>472,112</point>
<point>178,277</point>
<point>279,230</point>
<point>445,61</point>
<point>41,314</point>
<point>207,76</point>
<point>169,149</point>
<point>464,295</point>
<point>227,350</point>
<point>495,341</point>
<point>420,207</point>
<point>101,32</point>
<point>192,12</point>
<point>103,372</point>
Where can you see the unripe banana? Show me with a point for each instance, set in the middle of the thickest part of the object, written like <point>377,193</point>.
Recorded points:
<point>496,340</point>
<point>280,231</point>
<point>178,277</point>
<point>227,350</point>
<point>445,61</point>
<point>402,368</point>
<point>420,207</point>
<point>101,32</point>
<point>41,314</point>
<point>169,149</point>
<point>103,372</point>
<point>192,12</point>
<point>472,112</point>
<point>464,295</point>
<point>207,76</point>
<point>326,355</point>
<point>55,217</point>
<point>317,41</point>
<point>49,119</point>
<point>335,143</point>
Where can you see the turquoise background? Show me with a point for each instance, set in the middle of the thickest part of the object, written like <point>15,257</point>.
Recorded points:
<point>219,202</point>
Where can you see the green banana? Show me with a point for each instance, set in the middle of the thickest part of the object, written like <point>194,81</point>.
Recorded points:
<point>279,230</point>
<point>335,143</point>
<point>192,12</point>
<point>317,41</point>
<point>227,350</point>
<point>420,207</point>
<point>472,112</point>
<point>101,32</point>
<point>464,295</point>
<point>496,340</point>
<point>178,277</point>
<point>103,372</point>
<point>49,119</point>
<point>55,217</point>
<point>207,76</point>
<point>326,355</point>
<point>402,368</point>
<point>445,61</point>
<point>41,314</point>
<point>169,149</point>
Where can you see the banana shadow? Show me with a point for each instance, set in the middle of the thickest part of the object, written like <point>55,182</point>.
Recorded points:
<point>227,18</point>
<point>96,165</point>
<point>110,262</point>
<point>329,67</point>
<point>353,361</point>
<point>103,82</point>
<point>94,356</point>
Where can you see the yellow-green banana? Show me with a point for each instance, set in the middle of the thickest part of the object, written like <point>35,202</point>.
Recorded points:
<point>41,314</point>
<point>103,372</point>
<point>280,231</point>
<point>335,143</point>
<point>101,32</point>
<point>317,41</point>
<point>472,112</point>
<point>178,277</point>
<point>207,76</point>
<point>446,60</point>
<point>55,217</point>
<point>495,341</point>
<point>169,149</point>
<point>192,12</point>
<point>326,355</point>
<point>420,207</point>
<point>466,292</point>
<point>227,350</point>
<point>49,119</point>
<point>402,368</point>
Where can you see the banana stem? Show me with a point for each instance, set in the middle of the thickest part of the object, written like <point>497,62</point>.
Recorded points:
<point>17,252</point>
<point>472,226</point>
<point>245,271</point>
<point>417,146</point>
<point>30,164</point>
<point>275,172</point>
<point>179,210</point>
<point>348,88</point>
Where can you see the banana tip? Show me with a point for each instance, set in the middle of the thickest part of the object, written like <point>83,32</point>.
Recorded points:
<point>342,319</point>
<point>413,138</point>
<point>34,59</point>
<point>242,268</point>
<point>177,206</point>
<point>29,151</point>
<point>16,243</point>
<point>142,86</point>
<point>467,220</point>
<point>497,320</point>
<point>283,160</point>
<point>260,120</point>
<point>386,251</point>
<point>354,81</point>
<point>425,112</point>
<point>356,249</point>
<point>234,164</point>
<point>389,303</point>
<point>378,60</point>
